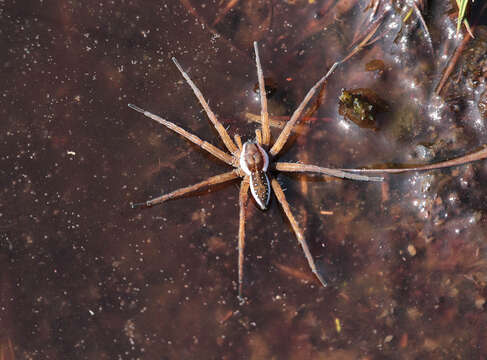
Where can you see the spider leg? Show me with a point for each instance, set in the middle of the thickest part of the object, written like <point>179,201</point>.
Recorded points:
<point>212,149</point>
<point>243,197</point>
<point>227,140</point>
<point>238,141</point>
<point>266,131</point>
<point>294,224</point>
<point>286,132</point>
<point>214,180</point>
<point>258,136</point>
<point>296,167</point>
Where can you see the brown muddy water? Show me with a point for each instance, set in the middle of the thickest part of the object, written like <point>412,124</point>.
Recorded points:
<point>84,276</point>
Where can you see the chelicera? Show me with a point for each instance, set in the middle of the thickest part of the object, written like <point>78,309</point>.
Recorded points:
<point>252,160</point>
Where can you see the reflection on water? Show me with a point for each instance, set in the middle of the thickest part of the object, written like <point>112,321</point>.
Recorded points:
<point>85,277</point>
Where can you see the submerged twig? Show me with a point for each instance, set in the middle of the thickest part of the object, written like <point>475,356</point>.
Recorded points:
<point>277,122</point>
<point>425,27</point>
<point>363,43</point>
<point>478,155</point>
<point>452,63</point>
<point>221,14</point>
<point>374,5</point>
<point>293,272</point>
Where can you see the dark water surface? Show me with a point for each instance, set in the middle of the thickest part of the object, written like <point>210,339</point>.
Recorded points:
<point>83,276</point>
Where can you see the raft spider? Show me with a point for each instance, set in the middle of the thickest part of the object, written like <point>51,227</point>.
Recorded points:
<point>252,161</point>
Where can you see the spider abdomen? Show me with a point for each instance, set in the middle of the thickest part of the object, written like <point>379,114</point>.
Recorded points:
<point>260,188</point>
<point>254,161</point>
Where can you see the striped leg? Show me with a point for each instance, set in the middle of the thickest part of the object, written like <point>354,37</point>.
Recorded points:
<point>227,140</point>
<point>213,150</point>
<point>214,180</point>
<point>266,131</point>
<point>297,230</point>
<point>244,196</point>
<point>286,132</point>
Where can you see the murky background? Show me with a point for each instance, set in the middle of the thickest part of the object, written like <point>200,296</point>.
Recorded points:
<point>84,276</point>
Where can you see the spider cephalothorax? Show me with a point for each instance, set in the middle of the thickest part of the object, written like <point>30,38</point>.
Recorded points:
<point>251,162</point>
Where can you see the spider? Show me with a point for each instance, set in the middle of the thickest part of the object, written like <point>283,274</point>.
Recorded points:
<point>252,161</point>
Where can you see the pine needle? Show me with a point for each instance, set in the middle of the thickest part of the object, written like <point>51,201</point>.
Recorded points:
<point>462,7</point>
